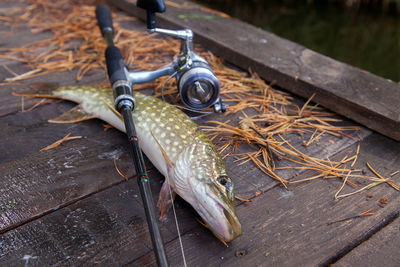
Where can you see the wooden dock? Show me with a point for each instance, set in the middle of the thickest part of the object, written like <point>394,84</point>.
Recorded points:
<point>68,206</point>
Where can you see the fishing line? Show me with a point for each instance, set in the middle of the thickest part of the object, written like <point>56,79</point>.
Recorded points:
<point>169,187</point>
<point>202,113</point>
<point>177,226</point>
<point>162,89</point>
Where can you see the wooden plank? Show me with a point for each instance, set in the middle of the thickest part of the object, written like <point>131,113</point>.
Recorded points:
<point>43,181</point>
<point>292,228</point>
<point>99,229</point>
<point>382,249</point>
<point>26,133</point>
<point>88,177</point>
<point>10,104</point>
<point>349,91</point>
<point>107,228</point>
<point>87,232</point>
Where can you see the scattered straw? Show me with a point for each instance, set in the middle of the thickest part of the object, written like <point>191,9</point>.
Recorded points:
<point>356,155</point>
<point>107,127</point>
<point>39,103</point>
<point>380,180</point>
<point>344,182</point>
<point>386,180</point>
<point>8,84</point>
<point>367,212</point>
<point>362,214</point>
<point>113,110</point>
<point>243,199</point>
<point>10,70</point>
<point>306,104</point>
<point>394,173</point>
<point>59,142</point>
<point>119,172</point>
<point>77,42</point>
<point>22,104</point>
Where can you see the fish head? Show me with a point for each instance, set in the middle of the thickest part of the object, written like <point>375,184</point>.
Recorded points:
<point>213,194</point>
<point>217,209</point>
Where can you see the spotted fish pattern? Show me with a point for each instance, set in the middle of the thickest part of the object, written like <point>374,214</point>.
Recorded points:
<point>175,145</point>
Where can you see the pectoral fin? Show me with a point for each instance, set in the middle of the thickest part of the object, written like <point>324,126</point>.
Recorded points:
<point>76,114</point>
<point>165,199</point>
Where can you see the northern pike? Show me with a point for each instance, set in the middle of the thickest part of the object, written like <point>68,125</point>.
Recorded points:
<point>174,144</point>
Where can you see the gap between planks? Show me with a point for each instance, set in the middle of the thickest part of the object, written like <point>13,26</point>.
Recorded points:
<point>61,206</point>
<point>376,228</point>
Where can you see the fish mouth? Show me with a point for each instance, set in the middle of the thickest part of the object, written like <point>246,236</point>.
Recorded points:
<point>221,219</point>
<point>236,228</point>
<point>229,226</point>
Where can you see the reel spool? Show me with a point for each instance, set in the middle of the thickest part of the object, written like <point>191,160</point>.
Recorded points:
<point>199,87</point>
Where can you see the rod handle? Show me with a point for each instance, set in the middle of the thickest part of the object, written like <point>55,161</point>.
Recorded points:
<point>104,20</point>
<point>115,65</point>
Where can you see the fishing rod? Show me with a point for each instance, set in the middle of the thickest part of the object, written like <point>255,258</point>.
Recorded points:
<point>125,104</point>
<point>197,84</point>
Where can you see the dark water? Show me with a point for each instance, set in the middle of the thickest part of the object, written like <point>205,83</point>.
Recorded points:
<point>363,38</point>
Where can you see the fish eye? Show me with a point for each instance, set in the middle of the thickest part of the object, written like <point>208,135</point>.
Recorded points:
<point>223,180</point>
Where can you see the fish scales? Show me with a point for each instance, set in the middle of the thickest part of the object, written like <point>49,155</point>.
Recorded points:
<point>172,128</point>
<point>177,148</point>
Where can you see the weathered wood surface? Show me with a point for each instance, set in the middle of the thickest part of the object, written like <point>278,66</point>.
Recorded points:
<point>294,228</point>
<point>10,104</point>
<point>107,228</point>
<point>43,181</point>
<point>68,206</point>
<point>349,91</point>
<point>381,249</point>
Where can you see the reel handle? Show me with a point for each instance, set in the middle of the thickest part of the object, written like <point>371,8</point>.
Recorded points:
<point>104,19</point>
<point>115,65</point>
<point>116,69</point>
<point>117,74</point>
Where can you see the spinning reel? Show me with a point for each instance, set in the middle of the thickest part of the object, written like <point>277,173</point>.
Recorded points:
<point>197,84</point>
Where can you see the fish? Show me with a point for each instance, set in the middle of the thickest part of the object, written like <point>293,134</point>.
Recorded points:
<point>173,142</point>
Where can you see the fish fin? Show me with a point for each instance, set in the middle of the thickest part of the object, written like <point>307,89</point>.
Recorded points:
<point>165,199</point>
<point>164,154</point>
<point>45,90</point>
<point>76,114</point>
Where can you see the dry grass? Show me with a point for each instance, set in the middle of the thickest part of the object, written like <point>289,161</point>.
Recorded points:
<point>59,142</point>
<point>77,43</point>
